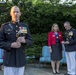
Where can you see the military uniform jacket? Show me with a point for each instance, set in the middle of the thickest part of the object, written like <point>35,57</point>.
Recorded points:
<point>14,57</point>
<point>70,35</point>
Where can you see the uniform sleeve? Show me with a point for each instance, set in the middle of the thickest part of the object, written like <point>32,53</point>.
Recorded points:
<point>3,44</point>
<point>74,38</point>
<point>29,41</point>
<point>49,39</point>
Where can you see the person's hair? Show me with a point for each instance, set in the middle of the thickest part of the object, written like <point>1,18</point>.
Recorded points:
<point>67,22</point>
<point>14,7</point>
<point>55,24</point>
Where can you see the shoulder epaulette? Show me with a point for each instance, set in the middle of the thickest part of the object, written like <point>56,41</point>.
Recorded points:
<point>5,23</point>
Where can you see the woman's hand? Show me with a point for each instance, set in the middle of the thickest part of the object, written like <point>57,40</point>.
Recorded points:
<point>50,50</point>
<point>66,42</point>
<point>62,42</point>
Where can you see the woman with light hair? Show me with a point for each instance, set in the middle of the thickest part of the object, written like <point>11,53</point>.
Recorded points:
<point>54,42</point>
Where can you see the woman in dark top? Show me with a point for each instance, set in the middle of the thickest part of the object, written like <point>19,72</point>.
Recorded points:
<point>54,42</point>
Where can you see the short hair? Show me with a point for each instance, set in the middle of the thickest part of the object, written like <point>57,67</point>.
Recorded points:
<point>67,22</point>
<point>55,24</point>
<point>14,7</point>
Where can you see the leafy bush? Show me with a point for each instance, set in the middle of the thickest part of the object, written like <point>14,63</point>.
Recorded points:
<point>40,16</point>
<point>39,41</point>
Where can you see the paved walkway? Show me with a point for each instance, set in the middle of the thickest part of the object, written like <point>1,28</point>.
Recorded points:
<point>36,70</point>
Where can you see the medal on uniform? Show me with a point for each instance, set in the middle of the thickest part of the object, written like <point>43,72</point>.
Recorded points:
<point>22,30</point>
<point>70,33</point>
<point>19,32</point>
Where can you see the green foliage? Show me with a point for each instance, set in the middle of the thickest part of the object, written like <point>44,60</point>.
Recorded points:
<point>39,41</point>
<point>40,16</point>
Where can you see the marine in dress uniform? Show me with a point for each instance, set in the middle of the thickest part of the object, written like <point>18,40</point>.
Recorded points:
<point>14,58</point>
<point>70,48</point>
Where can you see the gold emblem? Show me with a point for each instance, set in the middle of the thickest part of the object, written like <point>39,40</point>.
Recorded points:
<point>9,30</point>
<point>70,33</point>
<point>16,30</point>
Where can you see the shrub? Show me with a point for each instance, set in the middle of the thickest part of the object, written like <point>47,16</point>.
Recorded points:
<point>40,18</point>
<point>39,41</point>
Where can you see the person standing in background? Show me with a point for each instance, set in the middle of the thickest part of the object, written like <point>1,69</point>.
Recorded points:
<point>70,48</point>
<point>14,37</point>
<point>55,47</point>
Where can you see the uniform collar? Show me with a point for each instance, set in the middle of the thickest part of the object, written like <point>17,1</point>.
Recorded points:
<point>15,22</point>
<point>69,29</point>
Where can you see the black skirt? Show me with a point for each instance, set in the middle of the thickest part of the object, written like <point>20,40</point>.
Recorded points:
<point>56,54</point>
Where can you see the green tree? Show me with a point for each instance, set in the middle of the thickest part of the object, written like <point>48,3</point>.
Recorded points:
<point>40,16</point>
